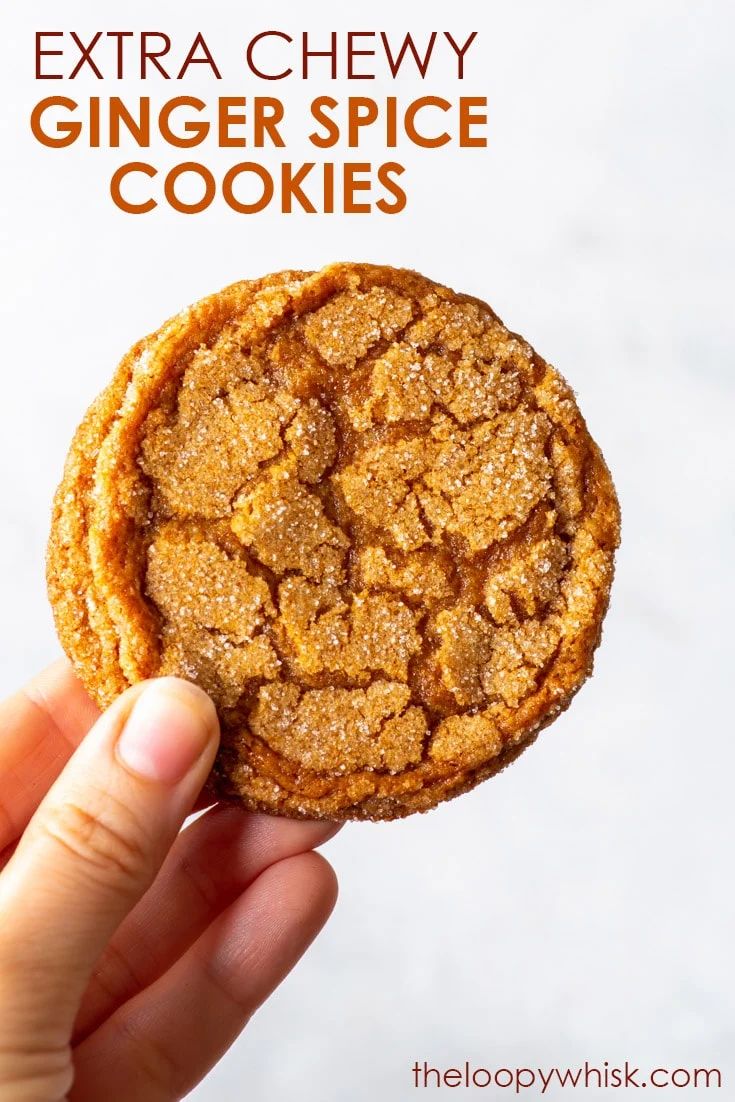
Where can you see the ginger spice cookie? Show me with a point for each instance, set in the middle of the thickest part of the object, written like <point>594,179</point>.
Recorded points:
<point>358,511</point>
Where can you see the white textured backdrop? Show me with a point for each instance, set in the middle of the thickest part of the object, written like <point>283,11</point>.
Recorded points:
<point>580,906</point>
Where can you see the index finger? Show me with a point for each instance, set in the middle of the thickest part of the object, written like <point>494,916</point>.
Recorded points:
<point>40,727</point>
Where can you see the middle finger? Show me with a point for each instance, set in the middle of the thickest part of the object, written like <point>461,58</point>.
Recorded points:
<point>209,865</point>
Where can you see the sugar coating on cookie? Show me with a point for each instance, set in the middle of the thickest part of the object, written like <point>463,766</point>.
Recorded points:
<point>358,511</point>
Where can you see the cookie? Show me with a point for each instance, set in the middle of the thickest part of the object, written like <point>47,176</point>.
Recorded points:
<point>358,511</point>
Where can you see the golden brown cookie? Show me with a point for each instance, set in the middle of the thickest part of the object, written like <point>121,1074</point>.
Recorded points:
<point>359,512</point>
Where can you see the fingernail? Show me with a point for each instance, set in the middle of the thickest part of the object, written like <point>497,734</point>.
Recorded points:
<point>167,731</point>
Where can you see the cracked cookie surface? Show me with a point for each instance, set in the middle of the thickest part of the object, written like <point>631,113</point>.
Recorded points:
<point>358,511</point>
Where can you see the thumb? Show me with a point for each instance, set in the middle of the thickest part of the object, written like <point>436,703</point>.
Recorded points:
<point>92,849</point>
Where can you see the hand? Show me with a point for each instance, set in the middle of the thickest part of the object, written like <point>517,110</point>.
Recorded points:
<point>131,955</point>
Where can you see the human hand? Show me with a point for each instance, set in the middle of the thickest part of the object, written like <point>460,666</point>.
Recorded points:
<point>131,955</point>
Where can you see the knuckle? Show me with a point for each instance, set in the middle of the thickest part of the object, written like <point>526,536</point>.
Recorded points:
<point>31,1073</point>
<point>202,884</point>
<point>103,837</point>
<point>241,1004</point>
<point>113,982</point>
<point>156,1066</point>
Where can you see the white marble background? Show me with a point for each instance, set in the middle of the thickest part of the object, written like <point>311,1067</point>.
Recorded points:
<point>581,905</point>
